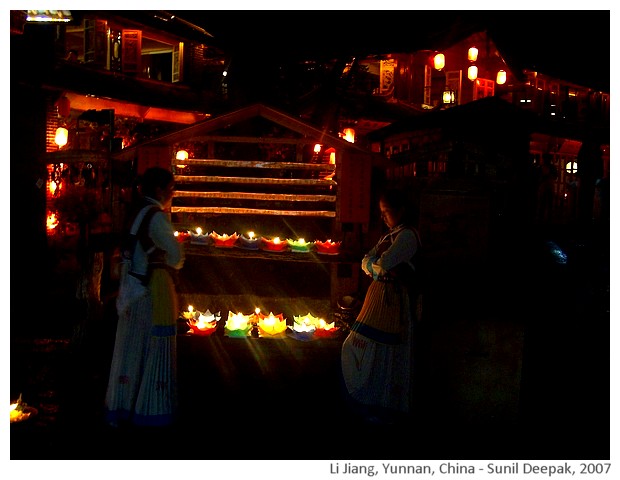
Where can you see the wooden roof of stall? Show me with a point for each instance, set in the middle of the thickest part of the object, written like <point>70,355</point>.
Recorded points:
<point>213,127</point>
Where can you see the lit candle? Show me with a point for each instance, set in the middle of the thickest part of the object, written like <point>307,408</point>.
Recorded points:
<point>199,238</point>
<point>225,240</point>
<point>300,245</point>
<point>274,245</point>
<point>325,329</point>
<point>249,241</point>
<point>327,248</point>
<point>205,324</point>
<point>270,325</point>
<point>303,327</point>
<point>238,325</point>
<point>182,237</point>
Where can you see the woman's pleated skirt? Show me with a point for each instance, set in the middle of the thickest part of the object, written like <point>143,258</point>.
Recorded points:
<point>142,387</point>
<point>376,364</point>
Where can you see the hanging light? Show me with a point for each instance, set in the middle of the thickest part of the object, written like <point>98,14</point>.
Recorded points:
<point>439,61</point>
<point>472,72</point>
<point>472,54</point>
<point>182,155</point>
<point>349,135</point>
<point>501,77</point>
<point>448,96</point>
<point>62,136</point>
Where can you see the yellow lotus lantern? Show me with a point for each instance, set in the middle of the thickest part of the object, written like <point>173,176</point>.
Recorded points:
<point>271,325</point>
<point>238,325</point>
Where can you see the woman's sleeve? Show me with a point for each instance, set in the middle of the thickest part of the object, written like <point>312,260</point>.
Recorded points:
<point>163,237</point>
<point>402,249</point>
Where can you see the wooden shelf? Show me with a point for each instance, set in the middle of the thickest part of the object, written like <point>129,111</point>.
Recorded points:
<point>235,252</point>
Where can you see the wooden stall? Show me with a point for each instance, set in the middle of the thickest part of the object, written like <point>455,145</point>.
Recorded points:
<point>259,169</point>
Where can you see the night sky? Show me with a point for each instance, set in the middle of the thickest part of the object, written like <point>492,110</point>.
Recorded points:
<point>572,44</point>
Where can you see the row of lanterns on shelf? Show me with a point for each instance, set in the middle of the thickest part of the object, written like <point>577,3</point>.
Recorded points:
<point>238,325</point>
<point>251,241</point>
<point>439,62</point>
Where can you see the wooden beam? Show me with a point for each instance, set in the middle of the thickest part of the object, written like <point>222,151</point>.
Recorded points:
<point>252,180</point>
<point>256,196</point>
<point>214,162</point>
<point>253,211</point>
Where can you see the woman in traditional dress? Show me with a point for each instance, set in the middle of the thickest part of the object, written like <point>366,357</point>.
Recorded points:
<point>376,356</point>
<point>142,387</point>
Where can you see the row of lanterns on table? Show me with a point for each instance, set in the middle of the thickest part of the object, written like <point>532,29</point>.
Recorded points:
<point>304,327</point>
<point>254,242</point>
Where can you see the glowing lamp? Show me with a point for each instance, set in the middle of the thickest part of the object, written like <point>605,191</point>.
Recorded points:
<point>501,77</point>
<point>348,134</point>
<point>472,72</point>
<point>325,329</point>
<point>199,238</point>
<point>19,411</point>
<point>327,248</point>
<point>299,245</point>
<point>472,54</point>
<point>225,240</point>
<point>238,325</point>
<point>51,222</point>
<point>273,245</point>
<point>303,328</point>
<point>448,96</point>
<point>271,325</point>
<point>439,61</point>
<point>62,136</point>
<point>182,155</point>
<point>249,241</point>
<point>182,237</point>
<point>204,323</point>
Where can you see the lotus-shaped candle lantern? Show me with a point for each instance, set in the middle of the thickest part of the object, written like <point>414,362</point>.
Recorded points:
<point>325,329</point>
<point>182,237</point>
<point>270,325</point>
<point>20,411</point>
<point>273,245</point>
<point>225,240</point>
<point>303,327</point>
<point>327,248</point>
<point>204,323</point>
<point>199,238</point>
<point>238,325</point>
<point>299,245</point>
<point>249,241</point>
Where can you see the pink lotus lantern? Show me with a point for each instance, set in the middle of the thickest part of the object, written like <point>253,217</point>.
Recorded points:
<point>328,247</point>
<point>225,240</point>
<point>238,325</point>
<point>271,325</point>
<point>299,246</point>
<point>204,323</point>
<point>249,241</point>
<point>274,245</point>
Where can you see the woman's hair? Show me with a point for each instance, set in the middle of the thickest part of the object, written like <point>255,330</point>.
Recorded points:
<point>398,200</point>
<point>153,178</point>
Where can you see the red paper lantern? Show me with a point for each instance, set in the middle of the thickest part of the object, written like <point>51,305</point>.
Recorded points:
<point>64,107</point>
